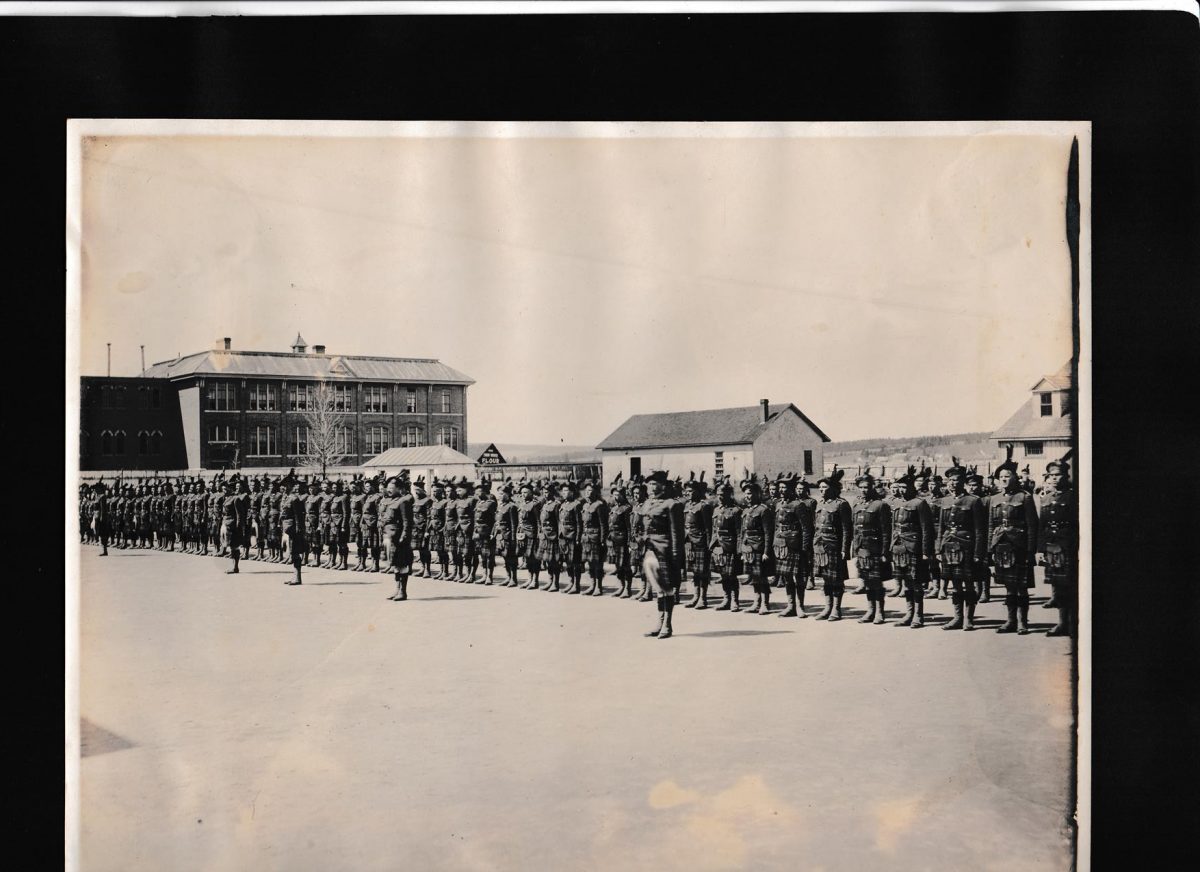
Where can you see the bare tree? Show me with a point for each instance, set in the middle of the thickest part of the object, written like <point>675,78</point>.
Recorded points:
<point>328,434</point>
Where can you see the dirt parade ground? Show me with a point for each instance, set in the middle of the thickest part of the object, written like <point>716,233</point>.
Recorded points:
<point>232,722</point>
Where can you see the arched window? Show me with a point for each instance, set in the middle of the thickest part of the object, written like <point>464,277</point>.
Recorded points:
<point>448,435</point>
<point>156,442</point>
<point>106,442</point>
<point>411,436</point>
<point>119,442</point>
<point>143,443</point>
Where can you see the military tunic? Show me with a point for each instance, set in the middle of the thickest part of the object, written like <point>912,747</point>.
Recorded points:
<point>594,523</point>
<point>912,539</point>
<point>1057,536</point>
<point>528,515</point>
<point>620,515</point>
<point>792,542</point>
<point>833,533</point>
<point>697,530</point>
<point>484,526</point>
<point>1013,537</point>
<point>570,523</point>
<point>504,537</point>
<point>961,524</point>
<point>548,532</point>
<point>662,535</point>
<point>872,534</point>
<point>726,531</point>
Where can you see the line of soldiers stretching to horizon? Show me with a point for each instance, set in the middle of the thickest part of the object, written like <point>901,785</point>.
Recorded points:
<point>931,535</point>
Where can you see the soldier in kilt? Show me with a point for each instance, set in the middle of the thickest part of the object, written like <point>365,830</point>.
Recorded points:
<point>505,536</point>
<point>370,527</point>
<point>872,535</point>
<point>292,523</point>
<point>464,537</point>
<point>483,533</point>
<point>273,505</point>
<point>548,535</point>
<point>726,531</point>
<point>833,532</point>
<point>395,515</point>
<point>697,531</point>
<point>1057,545</point>
<point>100,515</point>
<point>1012,543</point>
<point>594,531</point>
<point>437,529</point>
<point>570,556</point>
<point>637,494</point>
<point>756,533</point>
<point>911,545</point>
<point>528,514</point>
<point>620,537</point>
<point>961,545</point>
<point>793,540</point>
<point>925,491</point>
<point>662,534</point>
<point>975,487</point>
<point>422,504</point>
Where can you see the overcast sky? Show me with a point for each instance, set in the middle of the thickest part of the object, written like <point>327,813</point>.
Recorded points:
<point>886,286</point>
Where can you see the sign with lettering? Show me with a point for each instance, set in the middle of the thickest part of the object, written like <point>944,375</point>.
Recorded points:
<point>491,456</point>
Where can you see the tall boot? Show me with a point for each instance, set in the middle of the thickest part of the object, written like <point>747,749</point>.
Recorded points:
<point>765,607</point>
<point>296,578</point>
<point>881,611</point>
<point>800,613</point>
<point>668,608</point>
<point>909,611</point>
<point>695,600</point>
<point>837,607</point>
<point>985,594</point>
<point>969,619</point>
<point>703,604</point>
<point>1023,618</point>
<point>374,561</point>
<point>790,611</point>
<point>1063,627</point>
<point>662,618</point>
<point>957,623</point>
<point>824,616</point>
<point>919,618</point>
<point>727,602</point>
<point>396,594</point>
<point>1052,602</point>
<point>345,556</point>
<point>735,590</point>
<point>869,614</point>
<point>1009,626</point>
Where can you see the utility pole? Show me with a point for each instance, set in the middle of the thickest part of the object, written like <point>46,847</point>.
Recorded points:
<point>109,344</point>
<point>143,347</point>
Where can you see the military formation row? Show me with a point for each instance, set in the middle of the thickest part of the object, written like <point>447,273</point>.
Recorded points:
<point>931,534</point>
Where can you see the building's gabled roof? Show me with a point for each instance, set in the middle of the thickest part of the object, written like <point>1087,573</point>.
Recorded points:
<point>268,364</point>
<point>737,426</point>
<point>1057,381</point>
<point>422,456</point>
<point>1027,423</point>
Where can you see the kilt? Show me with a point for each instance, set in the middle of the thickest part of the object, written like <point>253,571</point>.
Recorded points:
<point>752,561</point>
<point>914,572</point>
<point>527,547</point>
<point>402,554</point>
<point>547,549</point>
<point>1064,572</point>
<point>871,568</point>
<point>725,561</point>
<point>660,572</point>
<point>619,556</point>
<point>835,565</point>
<point>1020,573</point>
<point>788,561</point>
<point>230,534</point>
<point>504,546</point>
<point>464,544</point>
<point>696,559</point>
<point>569,550</point>
<point>437,539</point>
<point>591,552</point>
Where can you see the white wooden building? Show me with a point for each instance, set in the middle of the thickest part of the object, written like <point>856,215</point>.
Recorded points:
<point>1041,429</point>
<point>765,439</point>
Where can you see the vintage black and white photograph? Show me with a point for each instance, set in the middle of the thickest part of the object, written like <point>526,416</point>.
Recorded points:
<point>579,495</point>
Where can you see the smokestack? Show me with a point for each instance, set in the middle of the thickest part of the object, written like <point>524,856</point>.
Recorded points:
<point>228,343</point>
<point>318,349</point>
<point>143,347</point>
<point>109,344</point>
<point>766,409</point>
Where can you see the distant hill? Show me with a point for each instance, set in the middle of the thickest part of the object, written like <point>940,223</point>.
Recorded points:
<point>970,448</point>
<point>526,453</point>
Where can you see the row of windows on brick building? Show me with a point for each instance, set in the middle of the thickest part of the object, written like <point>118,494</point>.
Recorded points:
<point>113,442</point>
<point>264,438</point>
<point>222,397</point>
<point>117,397</point>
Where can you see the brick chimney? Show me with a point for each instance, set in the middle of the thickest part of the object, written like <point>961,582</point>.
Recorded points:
<point>318,349</point>
<point>766,409</point>
<point>228,343</point>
